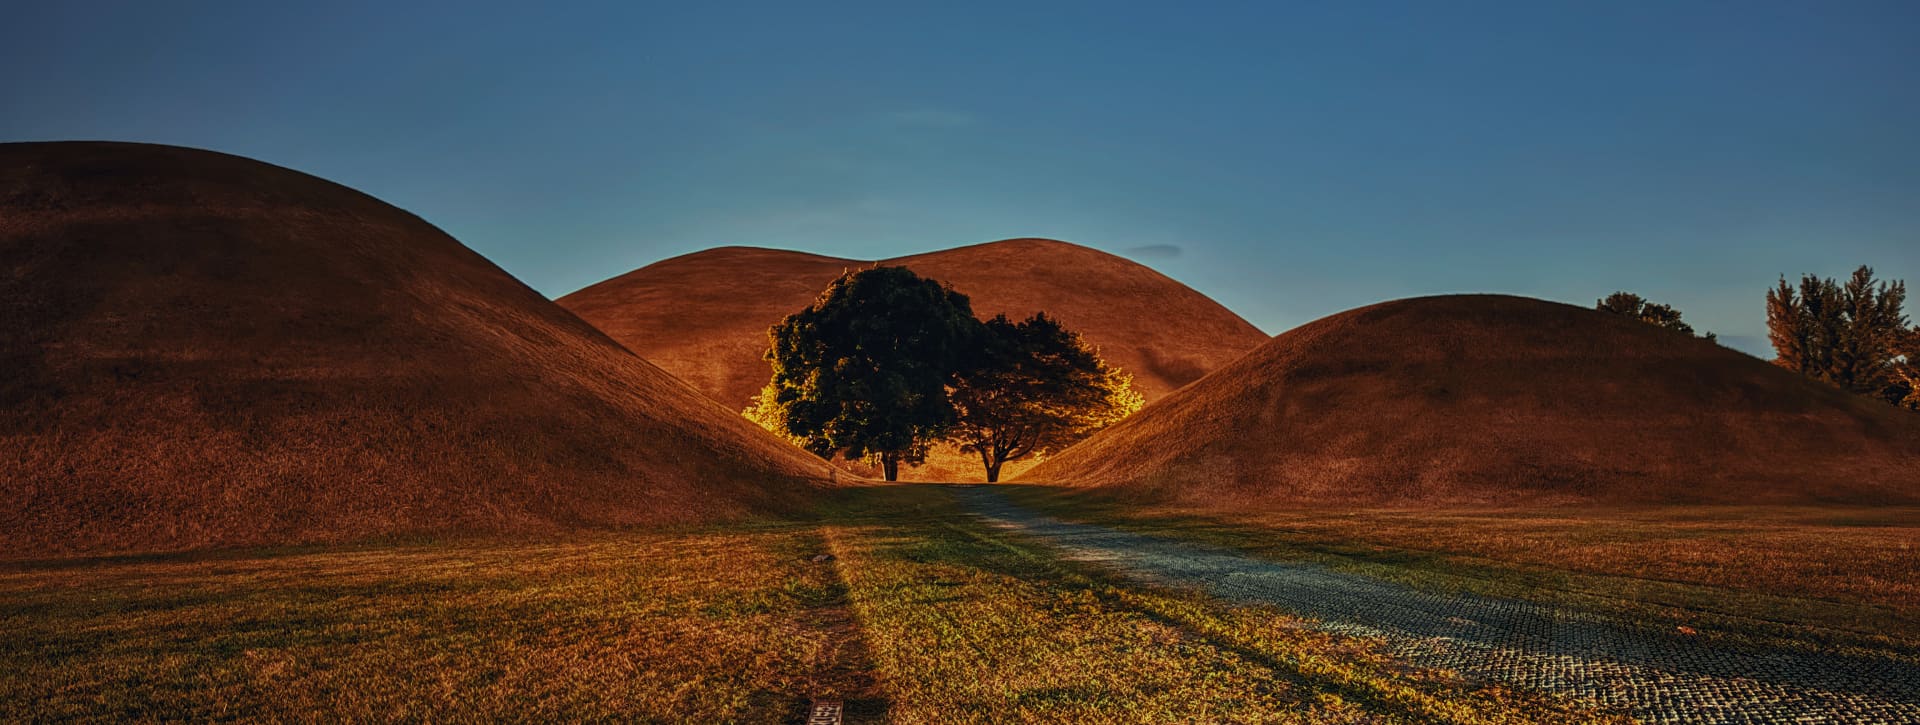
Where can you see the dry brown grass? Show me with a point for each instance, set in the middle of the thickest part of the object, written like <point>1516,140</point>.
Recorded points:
<point>207,350</point>
<point>688,627</point>
<point>927,615</point>
<point>704,316</point>
<point>1495,400</point>
<point>1864,555</point>
<point>1842,574</point>
<point>969,624</point>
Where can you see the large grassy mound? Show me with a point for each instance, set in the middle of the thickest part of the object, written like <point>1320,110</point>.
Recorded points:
<point>704,316</point>
<point>202,349</point>
<point>1496,399</point>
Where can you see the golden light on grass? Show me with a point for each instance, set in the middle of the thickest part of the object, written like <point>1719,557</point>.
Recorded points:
<point>1798,576</point>
<point>923,616</point>
<point>700,626</point>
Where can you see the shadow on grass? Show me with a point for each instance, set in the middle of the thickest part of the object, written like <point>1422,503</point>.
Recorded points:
<point>1876,676</point>
<point>1755,617</point>
<point>906,525</point>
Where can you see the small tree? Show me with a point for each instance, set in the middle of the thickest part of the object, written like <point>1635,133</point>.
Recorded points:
<point>1039,388</point>
<point>864,371</point>
<point>1637,307</point>
<point>1853,334</point>
<point>1905,389</point>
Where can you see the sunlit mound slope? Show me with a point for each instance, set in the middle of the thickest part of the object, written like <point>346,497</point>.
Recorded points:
<point>704,316</point>
<point>202,349</point>
<point>1492,399</point>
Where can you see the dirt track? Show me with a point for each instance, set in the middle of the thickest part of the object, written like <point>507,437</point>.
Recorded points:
<point>1658,677</point>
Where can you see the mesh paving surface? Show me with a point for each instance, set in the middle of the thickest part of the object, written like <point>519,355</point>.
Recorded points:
<point>1657,676</point>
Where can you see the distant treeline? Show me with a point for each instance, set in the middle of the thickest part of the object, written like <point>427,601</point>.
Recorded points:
<point>1852,334</point>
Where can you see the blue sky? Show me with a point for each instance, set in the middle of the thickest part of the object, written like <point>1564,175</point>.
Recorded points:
<point>1289,159</point>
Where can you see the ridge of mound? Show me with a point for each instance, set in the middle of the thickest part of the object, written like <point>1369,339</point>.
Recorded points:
<point>704,316</point>
<point>1166,333</point>
<point>1498,399</point>
<point>206,350</point>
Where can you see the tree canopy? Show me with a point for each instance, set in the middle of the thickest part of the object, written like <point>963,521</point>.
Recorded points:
<point>1037,388</point>
<point>1852,334</point>
<point>1906,373</point>
<point>864,371</point>
<point>1639,308</point>
<point>885,363</point>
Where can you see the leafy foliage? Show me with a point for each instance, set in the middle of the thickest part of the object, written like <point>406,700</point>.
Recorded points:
<point>1906,371</point>
<point>1639,308</point>
<point>1039,389</point>
<point>864,371</point>
<point>766,411</point>
<point>1853,334</point>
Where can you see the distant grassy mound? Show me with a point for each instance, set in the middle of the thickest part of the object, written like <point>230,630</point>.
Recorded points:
<point>704,316</point>
<point>201,349</point>
<point>1493,399</point>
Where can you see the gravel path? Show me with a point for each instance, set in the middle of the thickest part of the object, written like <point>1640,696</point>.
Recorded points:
<point>1661,678</point>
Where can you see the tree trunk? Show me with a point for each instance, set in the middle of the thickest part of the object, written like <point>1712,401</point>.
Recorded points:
<point>891,464</point>
<point>993,471</point>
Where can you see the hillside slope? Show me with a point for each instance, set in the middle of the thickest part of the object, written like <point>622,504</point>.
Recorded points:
<point>208,350</point>
<point>704,316</point>
<point>1494,399</point>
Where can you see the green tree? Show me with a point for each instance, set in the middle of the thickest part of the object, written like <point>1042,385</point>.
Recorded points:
<point>1906,372</point>
<point>767,411</point>
<point>864,371</point>
<point>1852,334</point>
<point>1037,388</point>
<point>1637,307</point>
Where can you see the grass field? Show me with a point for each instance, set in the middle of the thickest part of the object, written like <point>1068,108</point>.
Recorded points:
<point>703,624</point>
<point>1834,576</point>
<point>922,615</point>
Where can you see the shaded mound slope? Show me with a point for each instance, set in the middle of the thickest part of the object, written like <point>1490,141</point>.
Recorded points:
<point>1484,398</point>
<point>203,349</point>
<point>704,316</point>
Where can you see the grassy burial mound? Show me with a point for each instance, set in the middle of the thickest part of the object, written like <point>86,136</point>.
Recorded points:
<point>203,349</point>
<point>1489,399</point>
<point>704,316</point>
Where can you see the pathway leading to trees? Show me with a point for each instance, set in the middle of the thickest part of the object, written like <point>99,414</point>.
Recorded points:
<point>1658,677</point>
